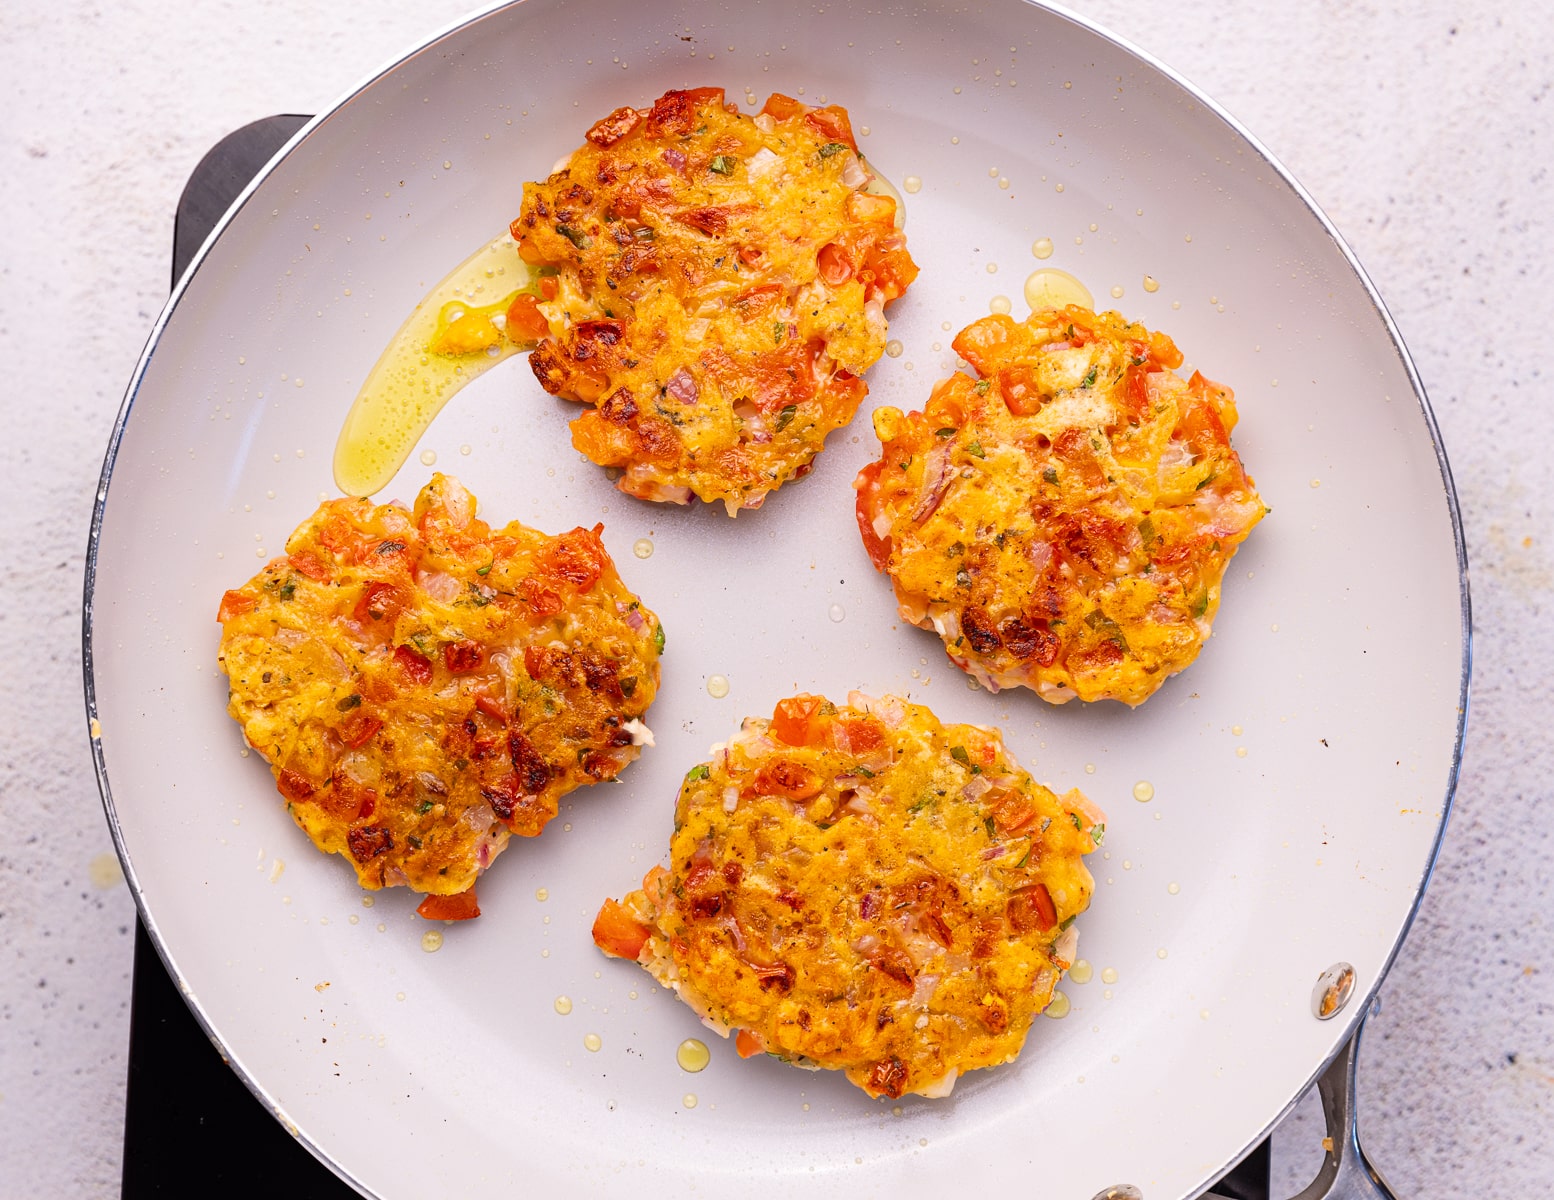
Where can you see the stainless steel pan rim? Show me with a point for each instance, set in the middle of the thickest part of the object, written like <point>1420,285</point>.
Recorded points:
<point>1356,1009</point>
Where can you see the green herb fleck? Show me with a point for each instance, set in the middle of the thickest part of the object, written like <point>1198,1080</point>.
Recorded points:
<point>992,829</point>
<point>699,771</point>
<point>485,570</point>
<point>1089,379</point>
<point>658,639</point>
<point>1074,817</point>
<point>288,589</point>
<point>958,753</point>
<point>576,236</point>
<point>1200,604</point>
<point>723,164</point>
<point>779,328</point>
<point>426,807</point>
<point>785,417</point>
<point>864,771</point>
<point>1147,530</point>
<point>1098,833</point>
<point>947,431</point>
<point>629,685</point>
<point>1205,481</point>
<point>981,386</point>
<point>1067,921</point>
<point>414,841</point>
<point>390,547</point>
<point>976,449</point>
<point>354,700</point>
<point>831,148</point>
<point>1050,474</point>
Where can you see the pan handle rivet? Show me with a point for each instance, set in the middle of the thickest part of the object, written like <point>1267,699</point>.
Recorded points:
<point>1120,1191</point>
<point>1334,987</point>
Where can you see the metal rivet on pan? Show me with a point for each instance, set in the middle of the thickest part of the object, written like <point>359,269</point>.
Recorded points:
<point>1120,1191</point>
<point>1334,987</point>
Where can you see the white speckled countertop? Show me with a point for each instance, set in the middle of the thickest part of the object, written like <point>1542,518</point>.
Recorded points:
<point>1426,132</point>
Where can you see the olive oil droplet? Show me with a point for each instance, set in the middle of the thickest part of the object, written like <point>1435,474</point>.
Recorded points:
<point>693,1055</point>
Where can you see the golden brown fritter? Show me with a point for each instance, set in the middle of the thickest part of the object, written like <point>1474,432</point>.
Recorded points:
<point>720,285</point>
<point>1064,519</point>
<point>863,889</point>
<point>422,686</point>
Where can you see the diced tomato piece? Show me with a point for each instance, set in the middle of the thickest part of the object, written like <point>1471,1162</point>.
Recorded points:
<point>608,130</point>
<point>379,602</point>
<point>1018,386</point>
<point>307,564</point>
<point>857,735</point>
<point>835,267</point>
<point>234,604</point>
<point>981,342</point>
<point>786,778</point>
<point>414,664</point>
<point>757,300</point>
<point>525,321</point>
<point>832,122</point>
<point>867,207</point>
<point>800,722</point>
<point>462,907</point>
<point>618,933</point>
<point>655,884</point>
<point>749,1044</point>
<point>576,558</point>
<point>893,271</point>
<point>359,729</point>
<point>783,108</point>
<point>493,707</point>
<point>869,505</point>
<point>293,785</point>
<point>1013,812</point>
<point>463,656</point>
<point>603,442</point>
<point>1031,908</point>
<point>675,111</point>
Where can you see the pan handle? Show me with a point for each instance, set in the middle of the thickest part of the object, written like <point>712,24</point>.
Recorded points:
<point>1346,1173</point>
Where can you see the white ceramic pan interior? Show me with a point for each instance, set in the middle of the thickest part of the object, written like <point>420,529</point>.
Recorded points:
<point>1300,769</point>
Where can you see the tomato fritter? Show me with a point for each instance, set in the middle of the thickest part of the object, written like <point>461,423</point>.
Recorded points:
<point>720,287</point>
<point>1063,520</point>
<point>423,686</point>
<point>863,889</point>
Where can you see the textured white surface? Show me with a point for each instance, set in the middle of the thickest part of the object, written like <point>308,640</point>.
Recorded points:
<point>1424,132</point>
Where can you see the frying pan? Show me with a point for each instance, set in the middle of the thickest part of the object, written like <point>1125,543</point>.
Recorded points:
<point>1300,772</point>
